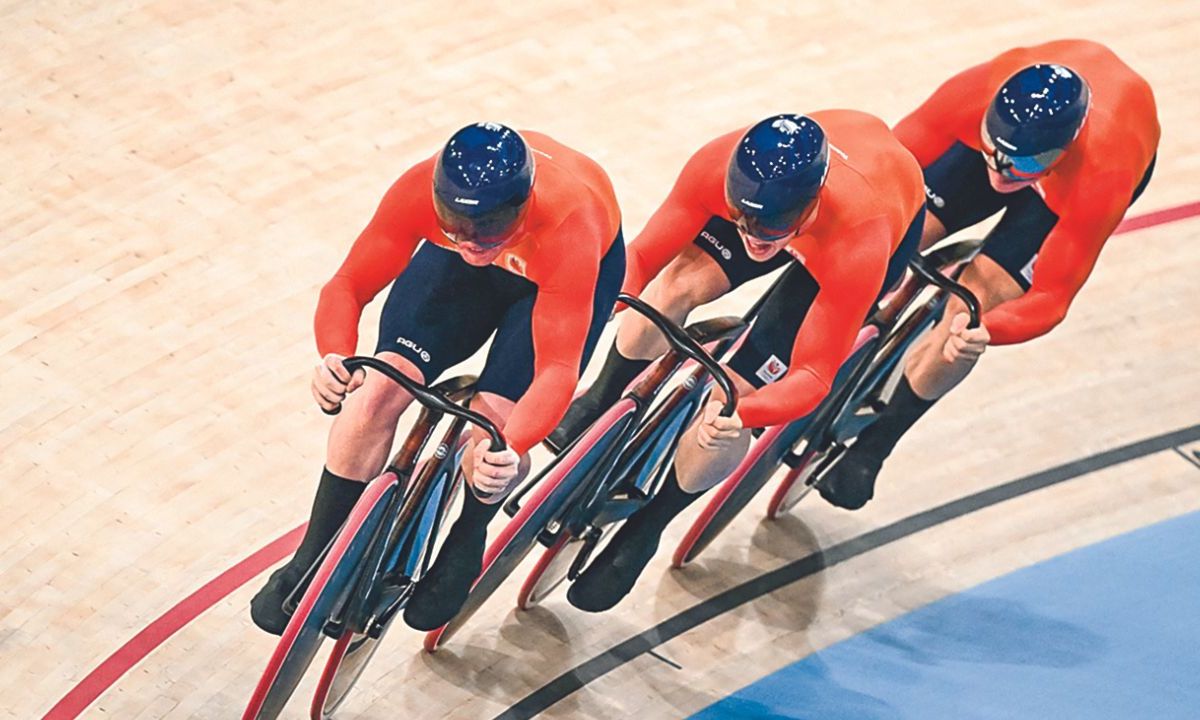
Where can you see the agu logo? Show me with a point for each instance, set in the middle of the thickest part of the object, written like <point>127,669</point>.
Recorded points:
<point>771,370</point>
<point>725,253</point>
<point>420,351</point>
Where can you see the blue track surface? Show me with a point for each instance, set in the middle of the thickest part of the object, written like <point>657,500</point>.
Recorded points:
<point>1105,632</point>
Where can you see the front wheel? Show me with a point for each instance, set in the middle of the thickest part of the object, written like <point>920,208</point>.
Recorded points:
<point>305,631</point>
<point>735,493</point>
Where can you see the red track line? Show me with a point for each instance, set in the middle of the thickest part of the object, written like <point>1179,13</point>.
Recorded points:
<point>1158,217</point>
<point>157,632</point>
<point>170,622</point>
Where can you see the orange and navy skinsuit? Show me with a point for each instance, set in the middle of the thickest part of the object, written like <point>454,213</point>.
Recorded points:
<point>872,194</point>
<point>570,227</point>
<point>1086,194</point>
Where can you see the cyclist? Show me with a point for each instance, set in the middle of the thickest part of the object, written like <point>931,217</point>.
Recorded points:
<point>835,198</point>
<point>505,232</point>
<point>1062,139</point>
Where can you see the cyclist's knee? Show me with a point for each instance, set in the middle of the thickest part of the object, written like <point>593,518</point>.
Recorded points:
<point>376,408</point>
<point>378,403</point>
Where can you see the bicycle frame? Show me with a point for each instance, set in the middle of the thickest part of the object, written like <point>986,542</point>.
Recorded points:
<point>900,322</point>
<point>642,396</point>
<point>547,508</point>
<point>888,332</point>
<point>387,537</point>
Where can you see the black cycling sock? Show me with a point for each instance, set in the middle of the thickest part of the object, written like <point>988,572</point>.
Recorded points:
<point>335,498</point>
<point>901,413</point>
<point>616,373</point>
<point>475,514</point>
<point>667,503</point>
<point>441,593</point>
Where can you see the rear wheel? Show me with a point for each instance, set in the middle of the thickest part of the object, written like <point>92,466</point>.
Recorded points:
<point>549,572</point>
<point>345,665</point>
<point>554,566</point>
<point>798,483</point>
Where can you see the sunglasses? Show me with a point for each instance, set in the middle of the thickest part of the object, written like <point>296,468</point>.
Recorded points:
<point>483,243</point>
<point>1019,168</point>
<point>764,230</point>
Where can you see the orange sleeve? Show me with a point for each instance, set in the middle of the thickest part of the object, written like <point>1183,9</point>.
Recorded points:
<point>849,284</point>
<point>562,316</point>
<point>678,220</point>
<point>933,127</point>
<point>380,253</point>
<point>1065,261</point>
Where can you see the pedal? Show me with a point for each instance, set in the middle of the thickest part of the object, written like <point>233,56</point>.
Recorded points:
<point>591,537</point>
<point>832,454</point>
<point>618,509</point>
<point>636,493</point>
<point>393,596</point>
<point>333,629</point>
<point>375,629</point>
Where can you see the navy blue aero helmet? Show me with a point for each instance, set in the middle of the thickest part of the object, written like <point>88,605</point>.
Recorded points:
<point>775,174</point>
<point>482,182</point>
<point>1035,115</point>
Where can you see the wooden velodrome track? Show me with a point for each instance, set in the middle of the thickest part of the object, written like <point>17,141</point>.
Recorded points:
<point>180,178</point>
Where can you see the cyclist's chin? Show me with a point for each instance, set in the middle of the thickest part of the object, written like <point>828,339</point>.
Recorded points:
<point>479,256</point>
<point>1002,184</point>
<point>762,251</point>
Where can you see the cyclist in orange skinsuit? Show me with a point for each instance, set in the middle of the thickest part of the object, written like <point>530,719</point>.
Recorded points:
<point>835,198</point>
<point>1062,137</point>
<point>536,257</point>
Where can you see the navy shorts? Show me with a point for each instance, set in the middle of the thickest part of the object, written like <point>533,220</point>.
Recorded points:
<point>960,195</point>
<point>441,310</point>
<point>763,357</point>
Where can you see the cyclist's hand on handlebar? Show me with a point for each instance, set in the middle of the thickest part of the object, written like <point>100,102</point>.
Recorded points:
<point>965,343</point>
<point>494,470</point>
<point>716,432</point>
<point>332,382</point>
